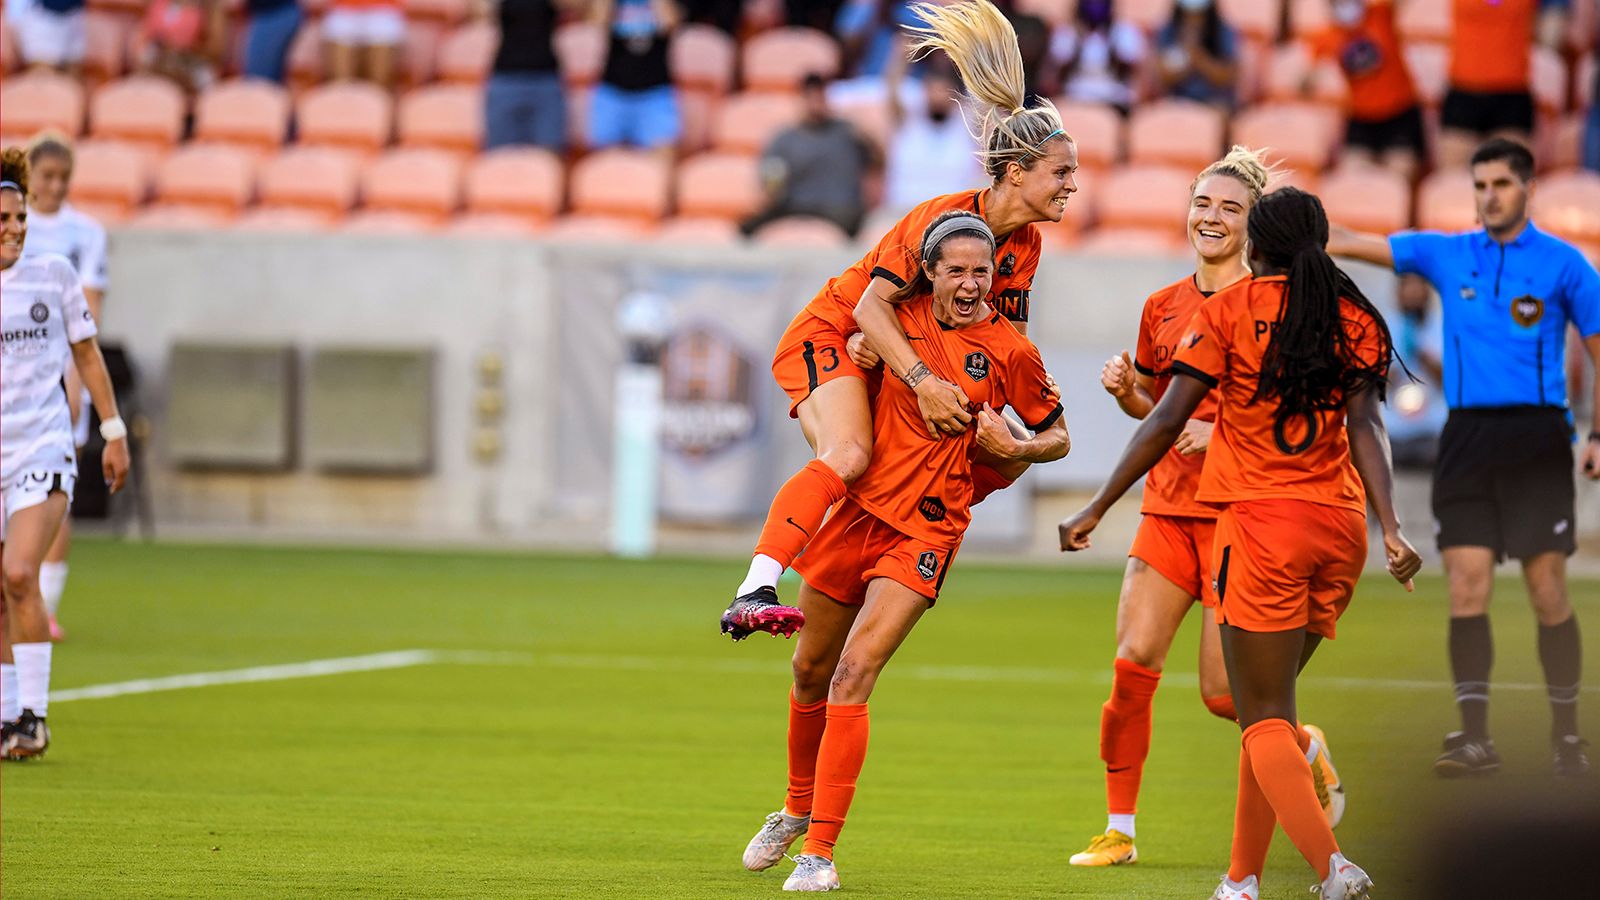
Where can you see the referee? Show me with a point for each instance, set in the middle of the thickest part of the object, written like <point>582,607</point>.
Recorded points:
<point>1503,483</point>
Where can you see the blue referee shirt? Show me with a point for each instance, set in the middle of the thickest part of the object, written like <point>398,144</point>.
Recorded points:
<point>1506,309</point>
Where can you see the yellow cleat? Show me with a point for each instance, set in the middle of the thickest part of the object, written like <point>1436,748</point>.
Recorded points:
<point>1110,849</point>
<point>1330,790</point>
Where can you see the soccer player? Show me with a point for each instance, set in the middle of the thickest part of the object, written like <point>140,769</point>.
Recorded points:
<point>1298,357</point>
<point>43,315</point>
<point>1031,162</point>
<point>878,563</point>
<point>54,226</point>
<point>1503,483</point>
<point>1169,564</point>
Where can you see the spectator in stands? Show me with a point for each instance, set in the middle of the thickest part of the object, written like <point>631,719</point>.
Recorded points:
<point>50,33</point>
<point>1385,123</point>
<point>1033,42</point>
<point>183,40</point>
<point>816,168</point>
<point>524,102</point>
<point>1198,54</point>
<point>1099,58</point>
<point>932,151</point>
<point>818,14</point>
<point>271,29</point>
<point>871,36</point>
<point>723,14</point>
<point>635,102</point>
<point>363,39</point>
<point>1491,73</point>
<point>1591,131</point>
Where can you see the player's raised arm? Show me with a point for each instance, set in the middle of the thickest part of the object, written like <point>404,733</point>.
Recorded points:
<point>1372,248</point>
<point>1369,451</point>
<point>1128,386</point>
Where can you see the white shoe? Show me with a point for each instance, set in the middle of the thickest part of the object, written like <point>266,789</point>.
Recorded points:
<point>1345,881</point>
<point>773,840</point>
<point>812,873</point>
<point>1249,889</point>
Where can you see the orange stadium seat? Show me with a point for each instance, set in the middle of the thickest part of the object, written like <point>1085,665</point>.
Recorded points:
<point>600,229</point>
<point>420,54</point>
<point>1567,204</point>
<point>699,232</point>
<point>1300,135</point>
<point>1257,19</point>
<point>1097,130</point>
<point>113,178</point>
<point>467,53</point>
<point>1423,20</point>
<point>1053,12</point>
<point>871,116</point>
<point>623,183</point>
<point>1080,213</point>
<point>746,123</point>
<point>1430,70</point>
<point>488,224</point>
<point>1309,17</point>
<point>779,59</point>
<point>357,115</point>
<point>1290,64</point>
<point>421,181</point>
<point>387,222</point>
<point>446,116</point>
<point>105,47</point>
<point>702,59</point>
<point>34,101</point>
<point>284,219</point>
<point>1175,132</point>
<point>178,217</point>
<point>1119,241</point>
<point>1145,197</point>
<point>447,11</point>
<point>524,182</point>
<point>1367,198</point>
<point>801,231</point>
<point>1444,202</point>
<point>1564,144</point>
<point>248,112</point>
<point>720,186</point>
<point>304,62</point>
<point>320,180</point>
<point>696,109</point>
<point>215,177</point>
<point>147,109</point>
<point>580,49</point>
<point>1549,80</point>
<point>1149,15</point>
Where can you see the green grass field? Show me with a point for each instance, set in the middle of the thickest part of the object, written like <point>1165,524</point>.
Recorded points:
<point>601,739</point>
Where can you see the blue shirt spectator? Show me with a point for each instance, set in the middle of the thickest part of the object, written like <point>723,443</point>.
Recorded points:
<point>524,102</point>
<point>635,103</point>
<point>271,29</point>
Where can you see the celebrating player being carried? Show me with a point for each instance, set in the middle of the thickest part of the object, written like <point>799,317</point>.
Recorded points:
<point>878,563</point>
<point>1031,162</point>
<point>44,315</point>
<point>1299,357</point>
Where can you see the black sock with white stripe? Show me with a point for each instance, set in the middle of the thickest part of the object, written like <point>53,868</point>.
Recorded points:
<point>1471,657</point>
<point>1561,653</point>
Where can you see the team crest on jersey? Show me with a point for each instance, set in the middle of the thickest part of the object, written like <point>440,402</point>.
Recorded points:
<point>932,509</point>
<point>1468,293</point>
<point>1009,264</point>
<point>977,366</point>
<point>1527,310</point>
<point>39,312</point>
<point>928,565</point>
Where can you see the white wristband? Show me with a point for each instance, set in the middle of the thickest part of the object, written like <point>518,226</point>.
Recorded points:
<point>113,429</point>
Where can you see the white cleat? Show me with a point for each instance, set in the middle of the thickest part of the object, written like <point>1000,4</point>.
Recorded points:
<point>1330,789</point>
<point>1249,889</point>
<point>773,840</point>
<point>812,873</point>
<point>1345,881</point>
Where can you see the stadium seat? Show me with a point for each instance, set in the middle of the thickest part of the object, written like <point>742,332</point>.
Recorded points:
<point>1175,132</point>
<point>1257,19</point>
<point>580,49</point>
<point>1120,241</point>
<point>1367,198</point>
<point>702,59</point>
<point>1444,202</point>
<point>793,232</point>
<point>250,113</point>
<point>1300,135</point>
<point>421,181</point>
<point>33,101</point>
<point>216,177</point>
<point>1430,70</point>
<point>446,116</point>
<point>285,219</point>
<point>489,224</point>
<point>321,180</point>
<point>420,54</point>
<point>1052,12</point>
<point>146,109</point>
<point>746,123</point>
<point>1549,80</point>
<point>1563,144</point>
<point>304,62</point>
<point>1309,17</point>
<point>870,115</point>
<point>179,217</point>
<point>1423,20</point>
<point>105,47</point>
<point>1059,236</point>
<point>10,56</point>
<point>698,232</point>
<point>1287,68</point>
<point>357,115</point>
<point>1584,80</point>
<point>622,183</point>
<point>719,186</point>
<point>113,178</point>
<point>448,12</point>
<point>696,109</point>
<point>1145,197</point>
<point>467,53</point>
<point>1097,130</point>
<point>524,182</point>
<point>599,229</point>
<point>779,59</point>
<point>1567,204</point>
<point>387,222</point>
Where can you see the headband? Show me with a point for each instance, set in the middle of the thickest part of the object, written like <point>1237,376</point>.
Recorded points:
<point>966,222</point>
<point>1058,131</point>
<point>12,185</point>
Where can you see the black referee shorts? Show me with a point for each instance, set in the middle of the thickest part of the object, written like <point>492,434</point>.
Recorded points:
<point>1504,480</point>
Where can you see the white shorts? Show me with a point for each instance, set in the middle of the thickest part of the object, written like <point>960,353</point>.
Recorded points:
<point>381,27</point>
<point>31,488</point>
<point>50,38</point>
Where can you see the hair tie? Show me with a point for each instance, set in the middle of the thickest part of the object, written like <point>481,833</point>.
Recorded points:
<point>12,185</point>
<point>965,222</point>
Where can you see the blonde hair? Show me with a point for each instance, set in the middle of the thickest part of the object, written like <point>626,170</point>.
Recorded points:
<point>983,46</point>
<point>14,168</point>
<point>50,143</point>
<point>1248,167</point>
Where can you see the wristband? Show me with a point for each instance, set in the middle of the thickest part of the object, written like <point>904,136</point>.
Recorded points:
<point>916,375</point>
<point>113,429</point>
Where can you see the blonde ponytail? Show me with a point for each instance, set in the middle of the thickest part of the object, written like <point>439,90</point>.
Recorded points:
<point>1244,165</point>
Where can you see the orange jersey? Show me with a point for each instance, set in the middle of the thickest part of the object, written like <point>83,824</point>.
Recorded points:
<point>1489,45</point>
<point>896,257</point>
<point>1255,454</point>
<point>1369,53</point>
<point>1170,487</point>
<point>923,485</point>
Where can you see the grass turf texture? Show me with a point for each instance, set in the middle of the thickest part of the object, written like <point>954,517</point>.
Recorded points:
<point>623,748</point>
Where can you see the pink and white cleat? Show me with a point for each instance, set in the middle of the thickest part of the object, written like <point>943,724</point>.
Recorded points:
<point>760,610</point>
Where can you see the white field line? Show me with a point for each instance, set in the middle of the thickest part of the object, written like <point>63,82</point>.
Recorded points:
<point>395,659</point>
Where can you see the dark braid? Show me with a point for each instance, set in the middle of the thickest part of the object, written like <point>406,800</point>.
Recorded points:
<point>1311,360</point>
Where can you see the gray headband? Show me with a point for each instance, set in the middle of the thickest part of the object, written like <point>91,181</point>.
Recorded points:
<point>968,222</point>
<point>11,185</point>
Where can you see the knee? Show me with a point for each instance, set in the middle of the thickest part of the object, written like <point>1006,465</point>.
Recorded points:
<point>21,580</point>
<point>811,677</point>
<point>849,459</point>
<point>1141,653</point>
<point>1220,705</point>
<point>852,681</point>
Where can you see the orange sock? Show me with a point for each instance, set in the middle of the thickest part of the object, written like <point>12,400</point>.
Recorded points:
<point>839,759</point>
<point>806,722</point>
<point>1284,775</point>
<point>798,510</point>
<point>986,480</point>
<point>1253,824</point>
<point>1222,707</point>
<point>1125,733</point>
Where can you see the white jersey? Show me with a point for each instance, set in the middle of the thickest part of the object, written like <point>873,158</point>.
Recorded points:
<point>74,235</point>
<point>42,312</point>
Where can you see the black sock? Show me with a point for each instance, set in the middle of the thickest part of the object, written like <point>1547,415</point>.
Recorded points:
<point>1561,652</point>
<point>1471,657</point>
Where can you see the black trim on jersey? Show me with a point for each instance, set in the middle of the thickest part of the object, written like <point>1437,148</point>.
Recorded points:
<point>1222,574</point>
<point>811,364</point>
<point>1183,368</point>
<point>939,585</point>
<point>1142,370</point>
<point>886,275</point>
<point>1047,421</point>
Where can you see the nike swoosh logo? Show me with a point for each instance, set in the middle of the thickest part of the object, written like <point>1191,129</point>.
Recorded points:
<point>791,521</point>
<point>912,337</point>
<point>1169,318</point>
<point>1119,769</point>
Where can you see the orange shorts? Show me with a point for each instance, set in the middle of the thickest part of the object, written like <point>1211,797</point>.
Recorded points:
<point>810,353</point>
<point>1178,547</point>
<point>854,546</point>
<point>1284,564</point>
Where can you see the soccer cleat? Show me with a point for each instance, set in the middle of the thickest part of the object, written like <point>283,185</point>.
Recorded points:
<point>773,840</point>
<point>812,873</point>
<point>1464,756</point>
<point>1110,849</point>
<point>760,610</point>
<point>1249,889</point>
<point>1330,790</point>
<point>25,738</point>
<point>57,633</point>
<point>1345,881</point>
<point>1570,760</point>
